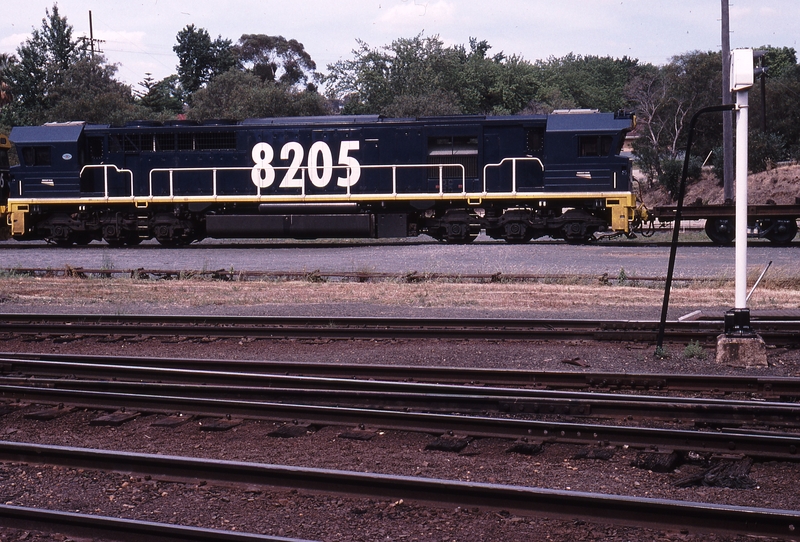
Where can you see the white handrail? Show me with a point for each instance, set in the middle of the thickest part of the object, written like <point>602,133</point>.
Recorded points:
<point>513,170</point>
<point>105,168</point>
<point>304,170</point>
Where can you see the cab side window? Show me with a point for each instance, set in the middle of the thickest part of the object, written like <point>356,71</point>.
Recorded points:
<point>37,156</point>
<point>594,145</point>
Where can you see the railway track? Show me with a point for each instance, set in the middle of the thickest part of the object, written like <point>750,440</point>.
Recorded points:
<point>428,397</point>
<point>179,391</point>
<point>753,443</point>
<point>522,500</point>
<point>94,527</point>
<point>763,387</point>
<point>774,331</point>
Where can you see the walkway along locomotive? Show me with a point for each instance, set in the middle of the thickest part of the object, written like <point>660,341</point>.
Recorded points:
<point>516,177</point>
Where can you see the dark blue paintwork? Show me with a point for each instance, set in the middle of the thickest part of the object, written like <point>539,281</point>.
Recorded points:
<point>485,140</point>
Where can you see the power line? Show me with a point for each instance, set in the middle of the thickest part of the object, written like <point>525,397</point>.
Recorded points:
<point>91,41</point>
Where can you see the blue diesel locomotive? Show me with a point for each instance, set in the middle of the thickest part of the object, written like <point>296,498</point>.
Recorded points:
<point>515,177</point>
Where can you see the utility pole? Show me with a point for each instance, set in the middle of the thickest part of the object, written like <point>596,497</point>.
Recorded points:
<point>727,118</point>
<point>91,39</point>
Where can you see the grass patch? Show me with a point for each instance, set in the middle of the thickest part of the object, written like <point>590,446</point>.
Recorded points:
<point>694,350</point>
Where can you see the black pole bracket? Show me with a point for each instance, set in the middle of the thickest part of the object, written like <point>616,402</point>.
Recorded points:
<point>737,324</point>
<point>677,223</point>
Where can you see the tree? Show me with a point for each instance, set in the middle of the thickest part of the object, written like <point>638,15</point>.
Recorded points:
<point>162,98</point>
<point>239,95</point>
<point>275,59</point>
<point>361,83</point>
<point>418,76</point>
<point>200,58</point>
<point>89,92</point>
<point>54,78</point>
<point>782,85</point>
<point>587,82</point>
<point>41,65</point>
<point>665,99</point>
<point>5,89</point>
<point>781,61</point>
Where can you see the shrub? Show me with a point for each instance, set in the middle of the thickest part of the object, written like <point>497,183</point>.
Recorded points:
<point>764,150</point>
<point>672,171</point>
<point>694,350</point>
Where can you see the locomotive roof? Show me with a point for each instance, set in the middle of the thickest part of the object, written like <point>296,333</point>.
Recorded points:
<point>379,119</point>
<point>591,122</point>
<point>49,133</point>
<point>557,122</point>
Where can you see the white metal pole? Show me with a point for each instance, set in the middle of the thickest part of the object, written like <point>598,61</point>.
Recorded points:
<point>741,198</point>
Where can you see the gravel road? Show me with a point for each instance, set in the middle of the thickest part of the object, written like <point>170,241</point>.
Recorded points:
<point>483,256</point>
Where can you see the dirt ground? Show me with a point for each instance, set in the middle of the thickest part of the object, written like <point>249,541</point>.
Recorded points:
<point>780,185</point>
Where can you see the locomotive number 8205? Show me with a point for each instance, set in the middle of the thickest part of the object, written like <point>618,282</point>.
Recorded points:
<point>319,164</point>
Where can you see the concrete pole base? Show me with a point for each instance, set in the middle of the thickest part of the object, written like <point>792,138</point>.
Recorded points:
<point>741,351</point>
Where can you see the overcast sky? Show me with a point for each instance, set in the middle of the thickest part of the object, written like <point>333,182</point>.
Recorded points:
<point>139,34</point>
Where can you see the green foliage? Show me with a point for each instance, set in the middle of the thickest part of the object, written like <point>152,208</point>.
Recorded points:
<point>89,92</point>
<point>782,88</point>
<point>406,70</point>
<point>200,58</point>
<point>162,98</point>
<point>275,59</point>
<point>670,177</point>
<point>54,79</point>
<point>672,173</point>
<point>40,66</point>
<point>418,75</point>
<point>239,95</point>
<point>588,82</point>
<point>718,164</point>
<point>661,353</point>
<point>665,99</point>
<point>764,150</point>
<point>694,350</point>
<point>781,61</point>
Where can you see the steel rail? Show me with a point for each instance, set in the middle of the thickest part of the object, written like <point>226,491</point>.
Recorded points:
<point>771,386</point>
<point>124,530</point>
<point>384,327</point>
<point>517,499</point>
<point>757,445</point>
<point>392,394</point>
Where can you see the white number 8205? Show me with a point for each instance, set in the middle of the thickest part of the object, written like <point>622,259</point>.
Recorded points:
<point>319,165</point>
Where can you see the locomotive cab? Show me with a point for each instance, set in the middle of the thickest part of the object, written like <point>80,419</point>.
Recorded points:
<point>50,160</point>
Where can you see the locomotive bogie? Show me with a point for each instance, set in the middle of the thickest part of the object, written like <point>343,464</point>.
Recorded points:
<point>517,178</point>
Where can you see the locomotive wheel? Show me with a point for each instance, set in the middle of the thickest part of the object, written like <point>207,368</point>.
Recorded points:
<point>575,233</point>
<point>460,233</point>
<point>721,231</point>
<point>781,230</point>
<point>517,233</point>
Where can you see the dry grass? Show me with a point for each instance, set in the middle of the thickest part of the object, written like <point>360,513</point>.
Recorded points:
<point>76,292</point>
